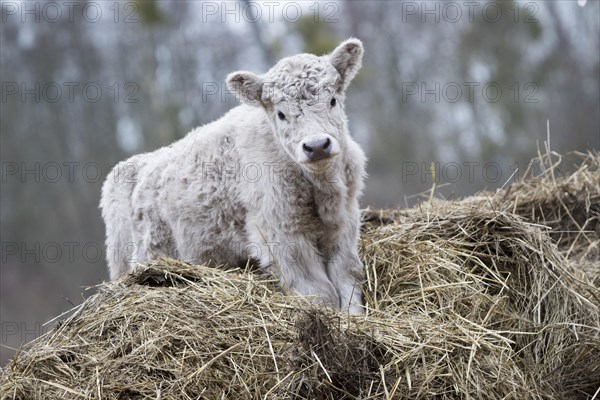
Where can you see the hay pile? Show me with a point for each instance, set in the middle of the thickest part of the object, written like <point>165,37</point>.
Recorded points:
<point>569,204</point>
<point>465,300</point>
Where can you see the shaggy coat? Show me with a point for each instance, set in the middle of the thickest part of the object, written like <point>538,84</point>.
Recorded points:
<point>276,179</point>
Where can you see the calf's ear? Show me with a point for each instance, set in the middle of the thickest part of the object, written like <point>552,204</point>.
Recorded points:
<point>347,60</point>
<point>246,86</point>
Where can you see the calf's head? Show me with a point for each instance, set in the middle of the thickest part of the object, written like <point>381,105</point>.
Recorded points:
<point>303,97</point>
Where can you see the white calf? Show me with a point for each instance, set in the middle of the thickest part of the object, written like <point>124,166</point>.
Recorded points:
<point>276,179</point>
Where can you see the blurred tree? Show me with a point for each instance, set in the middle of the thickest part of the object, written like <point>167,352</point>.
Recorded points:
<point>318,37</point>
<point>257,27</point>
<point>149,12</point>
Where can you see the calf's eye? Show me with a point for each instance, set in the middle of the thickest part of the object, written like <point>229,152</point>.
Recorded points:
<point>281,115</point>
<point>333,102</point>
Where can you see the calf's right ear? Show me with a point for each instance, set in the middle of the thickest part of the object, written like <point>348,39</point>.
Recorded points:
<point>246,86</point>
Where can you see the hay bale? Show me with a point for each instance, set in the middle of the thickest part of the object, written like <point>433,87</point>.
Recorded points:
<point>169,330</point>
<point>567,203</point>
<point>552,193</point>
<point>465,300</point>
<point>497,289</point>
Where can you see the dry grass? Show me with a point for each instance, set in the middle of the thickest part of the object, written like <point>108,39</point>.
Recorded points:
<point>569,203</point>
<point>469,299</point>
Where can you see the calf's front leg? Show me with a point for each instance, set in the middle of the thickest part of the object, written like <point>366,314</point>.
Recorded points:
<point>294,260</point>
<point>344,267</point>
<point>346,271</point>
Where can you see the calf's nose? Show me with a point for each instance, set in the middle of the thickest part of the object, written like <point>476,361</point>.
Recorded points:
<point>317,149</point>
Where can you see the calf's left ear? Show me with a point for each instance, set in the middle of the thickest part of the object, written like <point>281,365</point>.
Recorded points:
<point>247,86</point>
<point>347,60</point>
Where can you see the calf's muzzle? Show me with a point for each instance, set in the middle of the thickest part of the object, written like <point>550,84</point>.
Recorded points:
<point>319,149</point>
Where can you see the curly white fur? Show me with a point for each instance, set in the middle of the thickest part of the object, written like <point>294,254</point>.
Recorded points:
<point>242,187</point>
